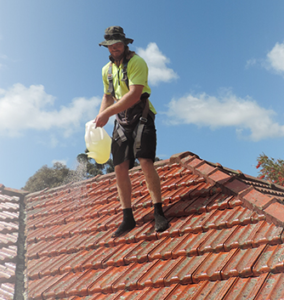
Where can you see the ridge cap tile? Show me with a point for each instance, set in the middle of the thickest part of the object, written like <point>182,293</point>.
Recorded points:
<point>255,200</point>
<point>205,169</point>
<point>219,176</point>
<point>191,162</point>
<point>236,185</point>
<point>275,213</point>
<point>176,158</point>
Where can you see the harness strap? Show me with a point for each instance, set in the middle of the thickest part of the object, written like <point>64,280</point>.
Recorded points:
<point>110,80</point>
<point>145,112</point>
<point>110,77</point>
<point>140,127</point>
<point>124,73</point>
<point>143,119</point>
<point>121,133</point>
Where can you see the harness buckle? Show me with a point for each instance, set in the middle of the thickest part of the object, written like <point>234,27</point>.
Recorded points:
<point>143,120</point>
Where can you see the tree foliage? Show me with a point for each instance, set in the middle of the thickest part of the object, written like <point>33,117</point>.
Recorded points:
<point>47,177</point>
<point>59,174</point>
<point>270,169</point>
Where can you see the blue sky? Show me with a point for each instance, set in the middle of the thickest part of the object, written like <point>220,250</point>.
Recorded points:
<point>216,70</point>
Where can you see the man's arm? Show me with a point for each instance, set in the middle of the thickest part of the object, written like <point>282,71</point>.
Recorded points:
<point>128,100</point>
<point>106,102</point>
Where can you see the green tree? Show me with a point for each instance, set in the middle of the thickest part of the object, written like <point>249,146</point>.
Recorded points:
<point>270,169</point>
<point>59,174</point>
<point>47,177</point>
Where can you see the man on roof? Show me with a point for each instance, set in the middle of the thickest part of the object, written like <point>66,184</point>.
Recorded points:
<point>126,94</point>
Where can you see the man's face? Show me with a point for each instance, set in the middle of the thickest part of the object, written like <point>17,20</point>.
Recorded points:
<point>116,50</point>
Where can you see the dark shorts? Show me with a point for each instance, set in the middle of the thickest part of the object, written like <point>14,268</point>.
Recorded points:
<point>122,151</point>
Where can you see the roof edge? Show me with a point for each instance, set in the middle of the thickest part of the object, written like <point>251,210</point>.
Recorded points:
<point>230,181</point>
<point>91,180</point>
<point>12,192</point>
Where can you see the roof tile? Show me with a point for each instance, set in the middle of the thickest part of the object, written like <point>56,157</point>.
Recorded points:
<point>256,201</point>
<point>189,245</point>
<point>140,252</point>
<point>191,162</point>
<point>236,186</point>
<point>219,244</point>
<point>7,291</point>
<point>205,169</point>
<point>245,286</point>
<point>210,268</point>
<point>275,213</point>
<point>272,287</point>
<point>140,276</point>
<point>215,240</point>
<point>271,259</point>
<point>240,265</point>
<point>10,230</point>
<point>184,269</point>
<point>219,177</point>
<point>8,254</point>
<point>164,250</point>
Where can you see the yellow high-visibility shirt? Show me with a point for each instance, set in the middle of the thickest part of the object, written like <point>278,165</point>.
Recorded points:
<point>137,73</point>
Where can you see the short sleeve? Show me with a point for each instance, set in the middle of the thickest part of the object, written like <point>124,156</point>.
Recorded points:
<point>137,71</point>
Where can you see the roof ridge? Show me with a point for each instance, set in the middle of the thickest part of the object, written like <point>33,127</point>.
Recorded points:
<point>12,192</point>
<point>232,183</point>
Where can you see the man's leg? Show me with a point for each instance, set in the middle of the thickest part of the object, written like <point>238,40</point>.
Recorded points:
<point>154,188</point>
<point>123,184</point>
<point>124,191</point>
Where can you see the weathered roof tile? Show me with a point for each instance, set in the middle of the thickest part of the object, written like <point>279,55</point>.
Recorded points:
<point>275,213</point>
<point>11,234</point>
<point>224,241</point>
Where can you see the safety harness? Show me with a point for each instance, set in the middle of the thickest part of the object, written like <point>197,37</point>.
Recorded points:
<point>142,120</point>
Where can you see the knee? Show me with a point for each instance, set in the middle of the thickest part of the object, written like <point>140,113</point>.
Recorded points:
<point>121,170</point>
<point>147,164</point>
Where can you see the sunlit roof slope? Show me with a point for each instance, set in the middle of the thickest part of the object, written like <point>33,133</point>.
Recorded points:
<point>11,236</point>
<point>225,239</point>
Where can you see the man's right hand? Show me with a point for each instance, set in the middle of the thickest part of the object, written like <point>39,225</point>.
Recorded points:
<point>101,119</point>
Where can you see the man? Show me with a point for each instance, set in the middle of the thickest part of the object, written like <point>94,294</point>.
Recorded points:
<point>126,94</point>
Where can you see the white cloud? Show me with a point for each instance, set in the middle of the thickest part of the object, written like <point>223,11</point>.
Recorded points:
<point>227,110</point>
<point>23,108</point>
<point>157,64</point>
<point>276,57</point>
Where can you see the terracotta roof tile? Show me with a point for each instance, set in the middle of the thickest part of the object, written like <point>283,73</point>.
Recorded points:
<point>224,241</point>
<point>272,287</point>
<point>7,291</point>
<point>11,228</point>
<point>275,213</point>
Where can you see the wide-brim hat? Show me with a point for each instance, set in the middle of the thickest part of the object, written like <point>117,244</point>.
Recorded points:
<point>113,35</point>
